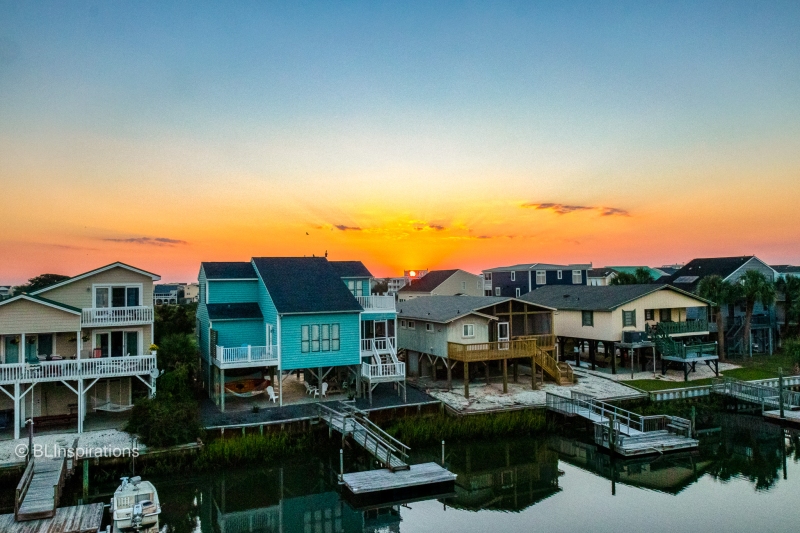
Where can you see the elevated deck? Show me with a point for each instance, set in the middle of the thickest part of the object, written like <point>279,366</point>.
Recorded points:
<point>77,519</point>
<point>625,432</point>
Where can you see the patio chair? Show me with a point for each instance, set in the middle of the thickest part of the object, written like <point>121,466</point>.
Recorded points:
<point>311,391</point>
<point>271,394</point>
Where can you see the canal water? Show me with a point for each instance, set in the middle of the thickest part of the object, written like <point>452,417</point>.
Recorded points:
<point>745,478</point>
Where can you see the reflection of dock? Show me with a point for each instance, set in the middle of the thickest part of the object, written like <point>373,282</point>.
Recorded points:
<point>625,432</point>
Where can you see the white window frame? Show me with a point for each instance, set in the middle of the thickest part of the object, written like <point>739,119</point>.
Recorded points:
<point>517,292</point>
<point>403,323</point>
<point>487,276</point>
<point>579,274</point>
<point>541,277</point>
<point>513,276</point>
<point>140,339</point>
<point>559,274</point>
<point>467,331</point>
<point>429,327</point>
<point>497,291</point>
<point>110,286</point>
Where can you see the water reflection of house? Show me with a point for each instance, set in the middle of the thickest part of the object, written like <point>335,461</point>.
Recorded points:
<point>520,475</point>
<point>669,474</point>
<point>293,500</point>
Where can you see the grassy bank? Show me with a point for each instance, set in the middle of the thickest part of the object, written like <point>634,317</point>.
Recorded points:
<point>751,370</point>
<point>433,429</point>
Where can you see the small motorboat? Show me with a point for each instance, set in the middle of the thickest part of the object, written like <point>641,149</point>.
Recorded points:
<point>135,507</point>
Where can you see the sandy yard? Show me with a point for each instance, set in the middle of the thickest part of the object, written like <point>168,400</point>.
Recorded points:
<point>111,438</point>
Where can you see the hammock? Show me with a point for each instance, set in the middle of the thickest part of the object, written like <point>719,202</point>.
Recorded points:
<point>247,388</point>
<point>110,407</point>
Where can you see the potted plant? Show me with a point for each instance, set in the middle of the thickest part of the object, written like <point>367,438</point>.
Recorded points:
<point>153,349</point>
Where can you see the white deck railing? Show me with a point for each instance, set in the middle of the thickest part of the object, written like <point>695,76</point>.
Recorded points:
<point>247,354</point>
<point>383,344</point>
<point>116,316</point>
<point>387,370</point>
<point>376,303</point>
<point>74,369</point>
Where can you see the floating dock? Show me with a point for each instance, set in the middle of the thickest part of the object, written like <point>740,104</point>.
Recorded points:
<point>78,519</point>
<point>418,482</point>
<point>624,432</point>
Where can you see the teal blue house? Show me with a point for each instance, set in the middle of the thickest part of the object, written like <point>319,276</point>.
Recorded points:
<point>262,322</point>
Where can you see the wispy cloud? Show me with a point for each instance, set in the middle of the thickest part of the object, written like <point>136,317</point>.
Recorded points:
<point>565,209</point>
<point>342,227</point>
<point>152,241</point>
<point>429,226</point>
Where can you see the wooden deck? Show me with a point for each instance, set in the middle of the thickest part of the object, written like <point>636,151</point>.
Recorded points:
<point>386,480</point>
<point>39,489</point>
<point>79,519</point>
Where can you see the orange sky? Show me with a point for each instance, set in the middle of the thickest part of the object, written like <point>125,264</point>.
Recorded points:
<point>443,136</point>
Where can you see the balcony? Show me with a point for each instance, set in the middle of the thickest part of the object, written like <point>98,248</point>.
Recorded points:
<point>246,356</point>
<point>380,345</point>
<point>116,316</point>
<point>74,369</point>
<point>383,372</point>
<point>377,304</point>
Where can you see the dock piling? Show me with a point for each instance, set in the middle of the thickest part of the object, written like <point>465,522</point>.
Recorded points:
<point>442,453</point>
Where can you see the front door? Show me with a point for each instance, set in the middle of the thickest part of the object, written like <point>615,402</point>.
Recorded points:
<point>502,335</point>
<point>12,349</point>
<point>380,329</point>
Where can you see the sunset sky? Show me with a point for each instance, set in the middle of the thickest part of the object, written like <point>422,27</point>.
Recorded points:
<point>406,135</point>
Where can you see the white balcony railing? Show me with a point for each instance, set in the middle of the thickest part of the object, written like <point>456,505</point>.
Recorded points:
<point>116,316</point>
<point>385,371</point>
<point>383,344</point>
<point>244,355</point>
<point>376,303</point>
<point>73,369</point>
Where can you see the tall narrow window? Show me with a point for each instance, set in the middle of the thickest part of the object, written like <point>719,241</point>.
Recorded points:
<point>335,337</point>
<point>325,334</point>
<point>133,296</point>
<point>305,339</point>
<point>517,292</point>
<point>132,343</point>
<point>463,285</point>
<point>101,297</point>
<point>649,314</point>
<point>665,315</point>
<point>513,276</point>
<point>118,297</point>
<point>541,277</point>
<point>587,318</point>
<point>315,337</point>
<point>629,318</point>
<point>559,274</point>
<point>497,291</point>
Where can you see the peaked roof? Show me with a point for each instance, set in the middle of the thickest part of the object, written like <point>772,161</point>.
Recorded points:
<point>540,266</point>
<point>445,308</point>
<point>44,301</point>
<point>229,270</point>
<point>595,298</point>
<point>350,269</point>
<point>600,272</point>
<point>305,285</point>
<point>786,269</point>
<point>118,264</point>
<point>234,311</point>
<point>689,276</point>
<point>429,281</point>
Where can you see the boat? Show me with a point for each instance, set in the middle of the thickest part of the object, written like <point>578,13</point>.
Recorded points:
<point>135,507</point>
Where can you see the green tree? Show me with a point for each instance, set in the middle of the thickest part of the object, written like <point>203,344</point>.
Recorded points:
<point>174,319</point>
<point>39,282</point>
<point>756,288</point>
<point>790,287</point>
<point>381,286</point>
<point>624,278</point>
<point>643,276</point>
<point>720,292</point>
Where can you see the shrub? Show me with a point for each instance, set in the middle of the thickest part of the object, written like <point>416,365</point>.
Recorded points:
<point>165,422</point>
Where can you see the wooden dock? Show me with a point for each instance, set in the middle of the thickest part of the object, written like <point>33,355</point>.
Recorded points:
<point>625,432</point>
<point>39,491</point>
<point>377,488</point>
<point>78,519</point>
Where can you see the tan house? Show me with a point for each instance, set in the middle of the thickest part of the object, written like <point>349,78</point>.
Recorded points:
<point>454,282</point>
<point>74,347</point>
<point>624,317</point>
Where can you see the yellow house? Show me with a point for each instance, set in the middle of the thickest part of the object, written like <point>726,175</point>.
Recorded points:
<point>75,346</point>
<point>626,317</point>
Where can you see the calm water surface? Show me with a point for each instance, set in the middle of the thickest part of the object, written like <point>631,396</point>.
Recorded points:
<point>745,478</point>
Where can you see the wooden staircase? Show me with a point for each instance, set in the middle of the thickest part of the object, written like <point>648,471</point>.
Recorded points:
<point>561,373</point>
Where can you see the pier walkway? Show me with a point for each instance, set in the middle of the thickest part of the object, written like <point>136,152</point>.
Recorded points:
<point>767,396</point>
<point>352,422</point>
<point>39,491</point>
<point>625,432</point>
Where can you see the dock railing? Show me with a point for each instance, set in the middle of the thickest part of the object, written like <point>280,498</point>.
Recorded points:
<point>759,394</point>
<point>22,488</point>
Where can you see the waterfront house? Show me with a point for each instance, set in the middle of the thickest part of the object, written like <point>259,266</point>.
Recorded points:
<point>444,331</point>
<point>598,277</point>
<point>191,293</point>
<point>764,322</point>
<point>77,346</point>
<point>167,294</point>
<point>625,317</point>
<point>294,317</point>
<point>516,280</point>
<point>443,283</point>
<point>782,272</point>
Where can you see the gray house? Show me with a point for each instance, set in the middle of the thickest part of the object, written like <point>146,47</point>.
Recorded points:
<point>436,334</point>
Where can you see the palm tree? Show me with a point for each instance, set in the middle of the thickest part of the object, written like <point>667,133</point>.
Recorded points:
<point>790,287</point>
<point>720,292</point>
<point>756,288</point>
<point>643,276</point>
<point>640,277</point>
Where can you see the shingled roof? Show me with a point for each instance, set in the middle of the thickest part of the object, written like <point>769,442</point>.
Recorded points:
<point>240,311</point>
<point>305,285</point>
<point>429,281</point>
<point>689,276</point>
<point>595,298</point>
<point>444,308</point>
<point>229,270</point>
<point>350,269</point>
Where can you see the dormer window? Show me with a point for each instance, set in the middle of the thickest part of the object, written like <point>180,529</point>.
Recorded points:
<point>355,287</point>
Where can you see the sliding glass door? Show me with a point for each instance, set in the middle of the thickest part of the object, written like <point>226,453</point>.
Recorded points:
<point>117,343</point>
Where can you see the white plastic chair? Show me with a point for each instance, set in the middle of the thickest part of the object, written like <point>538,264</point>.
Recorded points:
<point>324,389</point>
<point>271,394</point>
<point>313,391</point>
